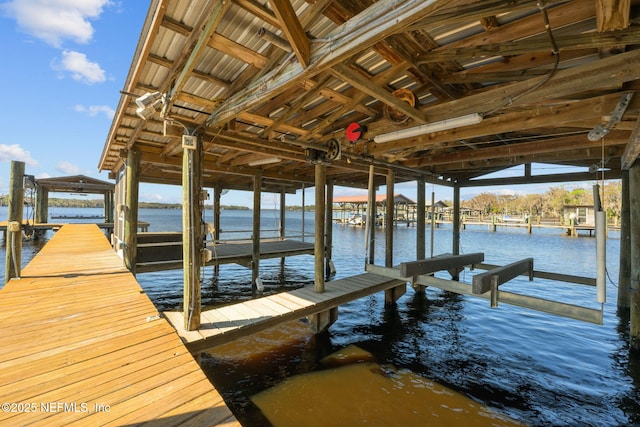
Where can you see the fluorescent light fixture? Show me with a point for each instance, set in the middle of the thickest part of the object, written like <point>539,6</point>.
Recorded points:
<point>469,119</point>
<point>265,161</point>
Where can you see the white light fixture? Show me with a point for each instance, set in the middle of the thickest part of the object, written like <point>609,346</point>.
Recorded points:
<point>148,104</point>
<point>469,119</point>
<point>265,161</point>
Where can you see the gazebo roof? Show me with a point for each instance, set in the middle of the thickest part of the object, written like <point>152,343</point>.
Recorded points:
<point>380,198</point>
<point>75,184</point>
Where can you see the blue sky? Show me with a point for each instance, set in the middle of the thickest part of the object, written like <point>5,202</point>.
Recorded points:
<point>67,62</point>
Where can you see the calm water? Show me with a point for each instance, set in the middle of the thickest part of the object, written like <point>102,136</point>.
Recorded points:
<point>536,368</point>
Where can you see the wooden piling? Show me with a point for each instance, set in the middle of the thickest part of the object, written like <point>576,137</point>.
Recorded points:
<point>191,234</point>
<point>108,206</point>
<point>320,181</point>
<point>217,194</point>
<point>420,220</point>
<point>329,229</point>
<point>625,249</point>
<point>389,212</point>
<point>132,175</point>
<point>13,258</point>
<point>455,249</point>
<point>255,235</point>
<point>634,292</point>
<point>42,205</point>
<point>370,242</point>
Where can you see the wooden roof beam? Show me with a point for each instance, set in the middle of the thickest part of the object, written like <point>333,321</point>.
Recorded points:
<point>359,33</point>
<point>238,51</point>
<point>612,15</point>
<point>520,149</point>
<point>530,25</point>
<point>566,82</point>
<point>537,44</point>
<point>164,62</point>
<point>293,30</point>
<point>632,150</point>
<point>259,11</point>
<point>532,118</point>
<point>194,48</point>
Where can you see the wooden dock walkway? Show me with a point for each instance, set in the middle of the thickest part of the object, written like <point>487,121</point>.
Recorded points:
<point>224,324</point>
<point>81,344</point>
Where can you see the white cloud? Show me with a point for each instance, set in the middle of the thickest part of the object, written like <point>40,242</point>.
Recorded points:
<point>80,67</point>
<point>56,20</point>
<point>15,152</point>
<point>94,110</point>
<point>68,168</point>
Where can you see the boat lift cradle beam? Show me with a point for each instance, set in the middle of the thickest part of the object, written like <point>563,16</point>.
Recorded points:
<point>571,311</point>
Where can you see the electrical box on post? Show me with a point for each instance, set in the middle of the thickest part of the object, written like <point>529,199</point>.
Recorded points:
<point>189,142</point>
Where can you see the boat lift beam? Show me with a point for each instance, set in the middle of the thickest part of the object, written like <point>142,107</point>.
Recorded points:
<point>571,311</point>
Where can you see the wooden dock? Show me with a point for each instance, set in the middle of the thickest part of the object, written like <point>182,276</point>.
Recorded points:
<point>166,254</point>
<point>224,324</point>
<point>83,345</point>
<point>43,226</point>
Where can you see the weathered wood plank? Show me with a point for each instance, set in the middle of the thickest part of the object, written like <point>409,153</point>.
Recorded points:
<point>482,282</point>
<point>225,324</point>
<point>438,263</point>
<point>67,338</point>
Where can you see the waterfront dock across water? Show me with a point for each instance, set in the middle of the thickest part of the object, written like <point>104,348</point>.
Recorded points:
<point>83,345</point>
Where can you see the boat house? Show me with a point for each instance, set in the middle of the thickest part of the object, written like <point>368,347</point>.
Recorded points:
<point>282,95</point>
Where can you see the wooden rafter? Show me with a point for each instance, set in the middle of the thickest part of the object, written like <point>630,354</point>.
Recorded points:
<point>538,44</point>
<point>365,85</point>
<point>292,29</point>
<point>364,30</point>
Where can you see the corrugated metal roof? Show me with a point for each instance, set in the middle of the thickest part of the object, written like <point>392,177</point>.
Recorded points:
<point>288,116</point>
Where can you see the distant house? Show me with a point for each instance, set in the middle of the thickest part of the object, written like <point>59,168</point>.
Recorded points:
<point>352,209</point>
<point>582,214</point>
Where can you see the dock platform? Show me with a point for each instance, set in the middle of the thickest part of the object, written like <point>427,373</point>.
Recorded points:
<point>225,324</point>
<point>83,345</point>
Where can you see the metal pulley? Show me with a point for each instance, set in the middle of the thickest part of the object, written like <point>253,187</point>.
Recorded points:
<point>334,150</point>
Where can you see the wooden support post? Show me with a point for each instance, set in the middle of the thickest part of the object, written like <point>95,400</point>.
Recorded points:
<point>388,231</point>
<point>433,221</point>
<point>320,322</point>
<point>282,226</point>
<point>625,250</point>
<point>192,243</point>
<point>370,241</point>
<point>303,209</point>
<point>132,175</point>
<point>255,236</point>
<point>283,208</point>
<point>217,194</point>
<point>42,205</point>
<point>329,230</point>
<point>108,206</point>
<point>319,245</point>
<point>420,221</point>
<point>13,258</point>
<point>455,249</point>
<point>392,295</point>
<point>634,292</point>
